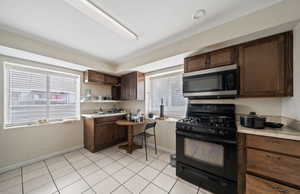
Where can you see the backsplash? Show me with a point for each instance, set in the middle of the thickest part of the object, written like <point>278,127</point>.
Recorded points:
<point>133,106</point>
<point>97,90</point>
<point>262,106</point>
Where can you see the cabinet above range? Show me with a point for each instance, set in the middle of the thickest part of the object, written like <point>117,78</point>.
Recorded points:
<point>265,65</point>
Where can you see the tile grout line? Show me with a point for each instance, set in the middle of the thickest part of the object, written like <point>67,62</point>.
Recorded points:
<point>79,173</point>
<point>148,165</point>
<point>137,173</point>
<point>173,186</point>
<point>151,182</point>
<point>161,172</point>
<point>110,175</point>
<point>51,175</point>
<point>124,167</point>
<point>101,168</point>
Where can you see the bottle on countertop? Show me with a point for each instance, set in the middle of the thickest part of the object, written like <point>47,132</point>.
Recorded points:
<point>162,115</point>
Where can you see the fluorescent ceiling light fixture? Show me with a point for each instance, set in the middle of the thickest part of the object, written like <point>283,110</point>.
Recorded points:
<point>93,11</point>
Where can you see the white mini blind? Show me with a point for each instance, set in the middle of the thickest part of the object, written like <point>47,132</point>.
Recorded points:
<point>168,88</point>
<point>38,95</point>
<point>62,97</point>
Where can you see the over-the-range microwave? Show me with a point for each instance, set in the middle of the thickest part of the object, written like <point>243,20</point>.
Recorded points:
<point>219,82</point>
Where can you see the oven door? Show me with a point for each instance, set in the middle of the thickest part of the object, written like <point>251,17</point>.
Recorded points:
<point>210,154</point>
<point>216,82</point>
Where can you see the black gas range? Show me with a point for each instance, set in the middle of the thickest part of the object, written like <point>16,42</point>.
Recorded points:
<point>206,147</point>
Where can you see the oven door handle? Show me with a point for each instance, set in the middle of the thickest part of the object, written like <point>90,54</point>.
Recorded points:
<point>205,138</point>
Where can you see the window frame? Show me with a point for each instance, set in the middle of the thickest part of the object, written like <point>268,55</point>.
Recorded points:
<point>148,78</point>
<point>10,65</point>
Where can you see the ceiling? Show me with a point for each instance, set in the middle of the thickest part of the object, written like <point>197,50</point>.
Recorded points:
<point>156,22</point>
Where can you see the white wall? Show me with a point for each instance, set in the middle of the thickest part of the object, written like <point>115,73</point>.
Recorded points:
<point>291,106</point>
<point>22,42</point>
<point>23,144</point>
<point>272,17</point>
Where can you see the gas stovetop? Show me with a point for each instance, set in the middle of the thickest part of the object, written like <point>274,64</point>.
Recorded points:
<point>216,120</point>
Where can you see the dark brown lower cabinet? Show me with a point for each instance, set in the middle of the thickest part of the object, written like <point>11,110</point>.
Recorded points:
<point>100,133</point>
<point>256,185</point>
<point>267,165</point>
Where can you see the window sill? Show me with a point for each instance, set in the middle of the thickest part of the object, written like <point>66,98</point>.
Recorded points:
<point>42,124</point>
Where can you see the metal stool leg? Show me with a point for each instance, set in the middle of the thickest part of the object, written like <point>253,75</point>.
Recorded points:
<point>146,147</point>
<point>155,141</point>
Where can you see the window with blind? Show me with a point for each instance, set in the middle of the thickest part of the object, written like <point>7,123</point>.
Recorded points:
<point>168,88</point>
<point>35,95</point>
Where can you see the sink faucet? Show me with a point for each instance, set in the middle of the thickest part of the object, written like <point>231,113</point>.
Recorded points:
<point>100,109</point>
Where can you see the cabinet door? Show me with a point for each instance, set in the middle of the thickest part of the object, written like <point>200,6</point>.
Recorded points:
<point>222,57</point>
<point>116,92</point>
<point>262,67</point>
<point>120,133</point>
<point>195,63</point>
<point>124,85</point>
<point>128,86</point>
<point>256,185</point>
<point>132,87</point>
<point>111,80</point>
<point>104,135</point>
<point>278,167</point>
<point>94,76</point>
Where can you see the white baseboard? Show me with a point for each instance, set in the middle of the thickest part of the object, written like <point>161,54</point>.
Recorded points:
<point>40,158</point>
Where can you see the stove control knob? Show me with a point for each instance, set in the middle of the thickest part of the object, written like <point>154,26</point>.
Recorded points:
<point>221,132</point>
<point>212,131</point>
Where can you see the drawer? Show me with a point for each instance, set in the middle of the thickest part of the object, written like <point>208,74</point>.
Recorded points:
<point>280,167</point>
<point>274,144</point>
<point>256,185</point>
<point>102,120</point>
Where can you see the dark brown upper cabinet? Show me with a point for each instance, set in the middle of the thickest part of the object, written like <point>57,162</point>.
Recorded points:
<point>195,63</point>
<point>266,68</point>
<point>266,65</point>
<point>133,86</point>
<point>112,80</point>
<point>227,56</point>
<point>222,57</point>
<point>91,76</point>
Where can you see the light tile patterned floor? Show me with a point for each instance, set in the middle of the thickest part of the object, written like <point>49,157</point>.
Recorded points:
<point>109,171</point>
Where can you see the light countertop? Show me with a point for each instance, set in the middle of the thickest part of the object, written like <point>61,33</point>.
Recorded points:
<point>95,115</point>
<point>284,132</point>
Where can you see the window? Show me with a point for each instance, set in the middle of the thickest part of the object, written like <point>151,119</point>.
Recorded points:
<point>35,95</point>
<point>168,88</point>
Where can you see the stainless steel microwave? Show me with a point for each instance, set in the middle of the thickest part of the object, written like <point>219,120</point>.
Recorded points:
<point>219,82</point>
